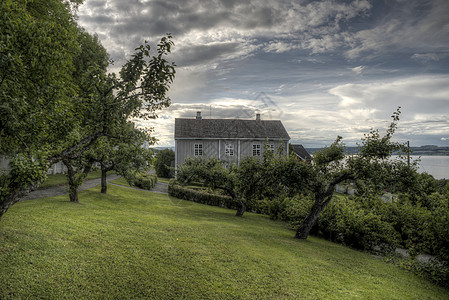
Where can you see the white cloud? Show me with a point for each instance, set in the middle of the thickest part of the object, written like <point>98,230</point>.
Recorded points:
<point>426,57</point>
<point>358,70</point>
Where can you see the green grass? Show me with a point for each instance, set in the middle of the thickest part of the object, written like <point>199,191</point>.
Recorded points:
<point>138,244</point>
<point>121,181</point>
<point>162,179</point>
<point>61,179</point>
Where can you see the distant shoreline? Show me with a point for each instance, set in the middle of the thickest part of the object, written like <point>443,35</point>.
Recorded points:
<point>429,150</point>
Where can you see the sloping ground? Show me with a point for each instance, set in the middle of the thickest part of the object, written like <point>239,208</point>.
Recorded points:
<point>138,244</point>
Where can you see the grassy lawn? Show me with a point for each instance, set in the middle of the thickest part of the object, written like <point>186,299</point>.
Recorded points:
<point>165,180</point>
<point>61,179</point>
<point>121,181</point>
<point>138,244</point>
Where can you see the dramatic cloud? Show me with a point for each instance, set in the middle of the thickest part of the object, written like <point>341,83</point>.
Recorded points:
<point>326,68</point>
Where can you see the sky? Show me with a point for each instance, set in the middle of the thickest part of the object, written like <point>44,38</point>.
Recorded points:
<point>324,68</point>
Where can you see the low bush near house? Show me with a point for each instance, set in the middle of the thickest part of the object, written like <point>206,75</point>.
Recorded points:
<point>145,181</point>
<point>199,196</point>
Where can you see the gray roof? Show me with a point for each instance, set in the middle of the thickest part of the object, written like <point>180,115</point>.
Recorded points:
<point>302,152</point>
<point>229,129</point>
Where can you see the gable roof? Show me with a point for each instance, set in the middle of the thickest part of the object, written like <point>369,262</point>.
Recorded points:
<point>302,152</point>
<point>229,129</point>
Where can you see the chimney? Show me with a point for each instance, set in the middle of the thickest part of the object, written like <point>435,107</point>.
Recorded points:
<point>257,117</point>
<point>198,115</point>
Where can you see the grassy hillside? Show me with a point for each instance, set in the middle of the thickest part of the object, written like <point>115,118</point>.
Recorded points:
<point>138,244</point>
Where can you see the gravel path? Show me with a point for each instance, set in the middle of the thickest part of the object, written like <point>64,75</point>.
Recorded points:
<point>160,187</point>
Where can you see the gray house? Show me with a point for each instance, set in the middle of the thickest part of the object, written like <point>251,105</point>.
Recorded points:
<point>227,139</point>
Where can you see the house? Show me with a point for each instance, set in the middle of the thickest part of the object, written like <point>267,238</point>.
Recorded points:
<point>57,168</point>
<point>301,153</point>
<point>227,139</point>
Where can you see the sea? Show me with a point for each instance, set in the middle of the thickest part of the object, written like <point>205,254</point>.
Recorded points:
<point>437,166</point>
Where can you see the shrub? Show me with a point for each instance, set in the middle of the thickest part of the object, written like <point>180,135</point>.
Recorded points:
<point>345,221</point>
<point>199,196</point>
<point>164,163</point>
<point>410,222</point>
<point>145,181</point>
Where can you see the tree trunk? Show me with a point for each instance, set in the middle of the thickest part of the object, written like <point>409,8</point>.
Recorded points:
<point>16,193</point>
<point>73,194</point>
<point>241,210</point>
<point>104,184</point>
<point>304,230</point>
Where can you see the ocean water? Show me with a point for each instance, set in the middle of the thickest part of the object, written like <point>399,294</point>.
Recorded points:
<point>437,166</point>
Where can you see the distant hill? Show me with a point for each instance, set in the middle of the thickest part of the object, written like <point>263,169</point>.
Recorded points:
<point>428,150</point>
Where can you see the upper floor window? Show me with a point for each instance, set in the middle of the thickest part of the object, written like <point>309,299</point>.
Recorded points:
<point>198,150</point>
<point>229,149</point>
<point>256,149</point>
<point>271,147</point>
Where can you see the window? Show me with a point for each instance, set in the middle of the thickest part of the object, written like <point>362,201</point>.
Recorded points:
<point>271,147</point>
<point>256,149</point>
<point>198,149</point>
<point>229,149</point>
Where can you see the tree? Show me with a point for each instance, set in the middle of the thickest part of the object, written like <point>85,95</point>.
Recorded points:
<point>212,173</point>
<point>127,156</point>
<point>35,81</point>
<point>252,180</point>
<point>163,163</point>
<point>110,101</point>
<point>372,168</point>
<point>44,116</point>
<point>77,170</point>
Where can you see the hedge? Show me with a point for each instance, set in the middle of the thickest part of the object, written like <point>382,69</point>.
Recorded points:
<point>199,196</point>
<point>145,181</point>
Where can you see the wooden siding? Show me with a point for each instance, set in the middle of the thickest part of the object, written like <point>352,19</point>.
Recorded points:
<point>217,148</point>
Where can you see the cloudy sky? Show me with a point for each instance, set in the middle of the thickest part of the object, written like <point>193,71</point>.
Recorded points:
<point>325,68</point>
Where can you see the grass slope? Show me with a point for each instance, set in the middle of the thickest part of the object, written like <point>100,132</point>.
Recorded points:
<point>138,244</point>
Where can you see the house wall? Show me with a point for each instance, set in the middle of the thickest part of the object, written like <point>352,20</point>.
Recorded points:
<point>217,148</point>
<point>4,164</point>
<point>186,148</point>
<point>57,168</point>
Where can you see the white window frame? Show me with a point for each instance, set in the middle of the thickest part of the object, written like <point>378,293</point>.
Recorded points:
<point>198,149</point>
<point>256,150</point>
<point>271,147</point>
<point>229,149</point>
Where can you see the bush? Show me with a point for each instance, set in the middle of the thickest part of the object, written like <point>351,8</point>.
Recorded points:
<point>345,221</point>
<point>164,163</point>
<point>199,196</point>
<point>145,181</point>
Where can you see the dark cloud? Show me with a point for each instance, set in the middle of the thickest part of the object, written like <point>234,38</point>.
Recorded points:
<point>204,54</point>
<point>334,67</point>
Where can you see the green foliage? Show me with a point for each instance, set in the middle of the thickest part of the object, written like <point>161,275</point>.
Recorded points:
<point>144,181</point>
<point>56,98</point>
<point>439,228</point>
<point>345,221</point>
<point>164,163</point>
<point>211,172</point>
<point>199,196</point>
<point>36,60</point>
